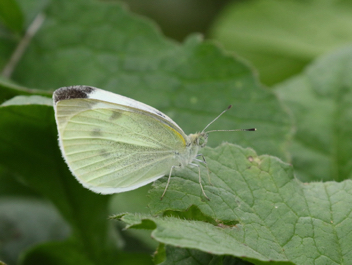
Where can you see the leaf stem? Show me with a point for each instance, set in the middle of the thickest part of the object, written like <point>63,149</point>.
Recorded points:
<point>22,45</point>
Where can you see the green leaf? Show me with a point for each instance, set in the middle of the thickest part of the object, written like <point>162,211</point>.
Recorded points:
<point>10,187</point>
<point>29,149</point>
<point>321,102</point>
<point>281,37</point>
<point>9,90</point>
<point>181,256</point>
<point>58,253</point>
<point>133,201</point>
<point>11,15</point>
<point>28,100</point>
<point>259,211</point>
<point>192,83</point>
<point>25,222</point>
<point>160,254</point>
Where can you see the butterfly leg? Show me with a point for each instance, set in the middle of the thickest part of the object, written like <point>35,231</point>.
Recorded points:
<point>168,181</point>
<point>205,162</point>
<point>200,181</point>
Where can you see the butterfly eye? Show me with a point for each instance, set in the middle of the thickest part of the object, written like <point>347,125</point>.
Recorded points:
<point>202,141</point>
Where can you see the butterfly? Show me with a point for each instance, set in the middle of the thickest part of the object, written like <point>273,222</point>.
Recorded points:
<point>112,143</point>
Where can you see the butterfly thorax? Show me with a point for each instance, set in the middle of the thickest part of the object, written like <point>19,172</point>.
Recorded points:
<point>194,143</point>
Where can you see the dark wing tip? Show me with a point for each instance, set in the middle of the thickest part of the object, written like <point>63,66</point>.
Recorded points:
<point>72,92</point>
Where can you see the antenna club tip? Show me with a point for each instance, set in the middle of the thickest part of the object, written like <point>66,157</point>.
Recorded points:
<point>229,107</point>
<point>252,129</point>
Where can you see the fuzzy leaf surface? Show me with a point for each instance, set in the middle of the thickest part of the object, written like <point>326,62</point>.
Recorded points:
<point>257,211</point>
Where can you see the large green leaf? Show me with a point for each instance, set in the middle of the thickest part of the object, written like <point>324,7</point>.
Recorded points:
<point>180,256</point>
<point>281,37</point>
<point>257,211</point>
<point>58,253</point>
<point>29,149</point>
<point>321,102</point>
<point>108,48</point>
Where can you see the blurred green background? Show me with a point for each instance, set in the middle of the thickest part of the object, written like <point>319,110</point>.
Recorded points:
<point>279,38</point>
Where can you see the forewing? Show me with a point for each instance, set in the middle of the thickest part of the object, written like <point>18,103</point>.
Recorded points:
<point>109,97</point>
<point>112,148</point>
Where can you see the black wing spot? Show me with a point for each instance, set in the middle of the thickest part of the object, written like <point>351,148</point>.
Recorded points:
<point>96,132</point>
<point>104,153</point>
<point>72,92</point>
<point>115,115</point>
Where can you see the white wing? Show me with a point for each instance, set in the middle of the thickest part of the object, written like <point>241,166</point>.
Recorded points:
<point>113,147</point>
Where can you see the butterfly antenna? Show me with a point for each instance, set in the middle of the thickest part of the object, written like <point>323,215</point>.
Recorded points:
<point>235,130</point>
<point>229,107</point>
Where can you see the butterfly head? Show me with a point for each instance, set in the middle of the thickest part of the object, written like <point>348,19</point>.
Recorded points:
<point>199,139</point>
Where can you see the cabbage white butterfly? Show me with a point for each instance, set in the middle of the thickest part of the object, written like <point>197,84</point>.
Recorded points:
<point>113,144</point>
